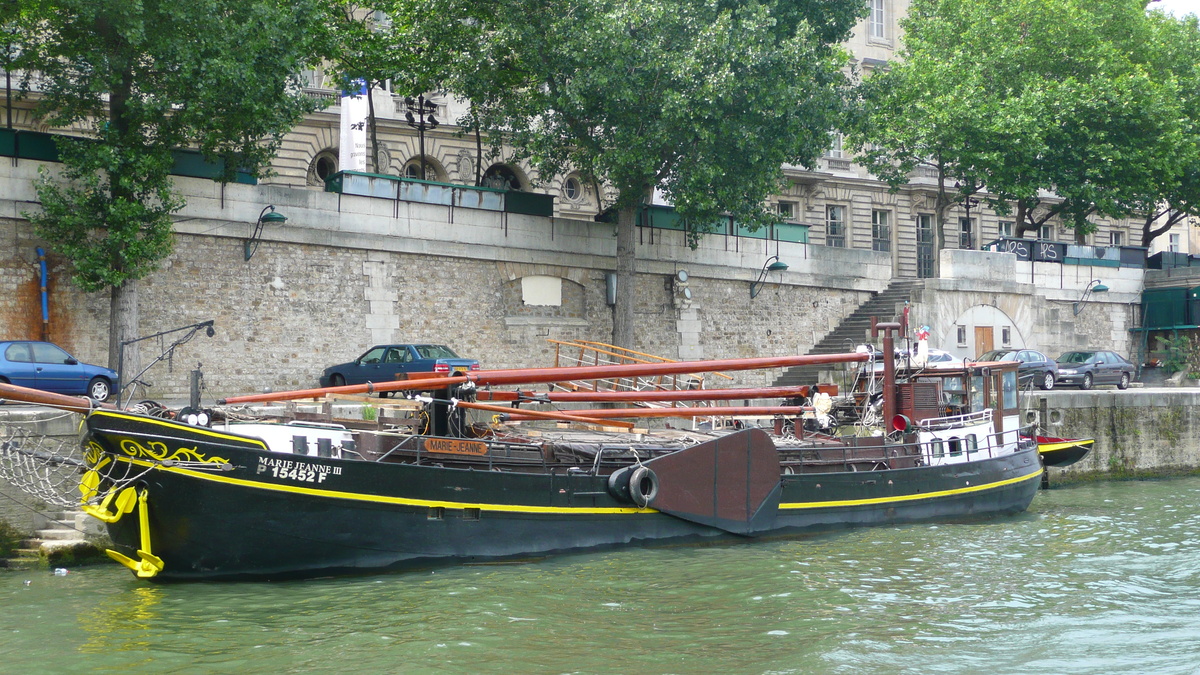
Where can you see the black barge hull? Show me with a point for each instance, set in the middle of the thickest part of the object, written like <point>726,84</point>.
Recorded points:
<point>220,506</point>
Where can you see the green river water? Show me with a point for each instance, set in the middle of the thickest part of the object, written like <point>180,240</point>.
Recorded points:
<point>1095,578</point>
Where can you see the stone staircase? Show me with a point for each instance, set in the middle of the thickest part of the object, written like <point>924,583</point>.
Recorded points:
<point>66,538</point>
<point>854,330</point>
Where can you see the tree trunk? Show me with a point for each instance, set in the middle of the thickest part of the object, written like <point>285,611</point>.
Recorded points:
<point>623,309</point>
<point>123,325</point>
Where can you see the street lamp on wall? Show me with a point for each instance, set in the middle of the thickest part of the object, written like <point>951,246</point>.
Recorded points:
<point>420,117</point>
<point>768,266</point>
<point>1094,286</point>
<point>268,216</point>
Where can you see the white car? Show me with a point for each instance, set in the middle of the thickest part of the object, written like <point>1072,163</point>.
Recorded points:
<point>942,359</point>
<point>936,358</point>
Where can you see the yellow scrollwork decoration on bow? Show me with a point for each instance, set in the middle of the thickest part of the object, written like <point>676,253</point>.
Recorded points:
<point>159,451</point>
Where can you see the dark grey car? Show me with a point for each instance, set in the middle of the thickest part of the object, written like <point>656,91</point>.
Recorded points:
<point>1035,365</point>
<point>384,363</point>
<point>1087,368</point>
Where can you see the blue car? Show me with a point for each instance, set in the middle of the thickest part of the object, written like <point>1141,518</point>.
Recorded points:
<point>384,363</point>
<point>48,367</point>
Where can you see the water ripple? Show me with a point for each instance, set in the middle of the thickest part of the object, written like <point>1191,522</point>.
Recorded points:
<point>1094,579</point>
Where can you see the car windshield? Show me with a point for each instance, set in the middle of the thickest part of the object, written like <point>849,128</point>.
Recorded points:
<point>999,355</point>
<point>436,352</point>
<point>1076,357</point>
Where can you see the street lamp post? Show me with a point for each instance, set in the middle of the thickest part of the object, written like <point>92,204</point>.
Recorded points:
<point>776,266</point>
<point>1094,286</point>
<point>420,117</point>
<point>268,216</point>
<point>967,204</point>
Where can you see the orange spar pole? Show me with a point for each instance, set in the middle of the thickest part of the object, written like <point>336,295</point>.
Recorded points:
<point>718,411</point>
<point>12,392</point>
<point>663,395</point>
<point>417,384</point>
<point>542,375</point>
<point>534,414</point>
<point>567,374</point>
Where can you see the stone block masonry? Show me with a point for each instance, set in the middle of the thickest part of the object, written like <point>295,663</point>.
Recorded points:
<point>1137,431</point>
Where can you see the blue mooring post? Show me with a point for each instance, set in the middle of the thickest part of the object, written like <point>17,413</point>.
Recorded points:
<point>45,277</point>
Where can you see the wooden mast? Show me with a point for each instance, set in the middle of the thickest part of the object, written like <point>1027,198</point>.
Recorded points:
<point>545,375</point>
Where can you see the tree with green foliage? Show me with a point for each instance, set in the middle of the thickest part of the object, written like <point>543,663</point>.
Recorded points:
<point>370,47</point>
<point>143,79</point>
<point>393,42</point>
<point>1025,98</point>
<point>1174,57</point>
<point>702,101</point>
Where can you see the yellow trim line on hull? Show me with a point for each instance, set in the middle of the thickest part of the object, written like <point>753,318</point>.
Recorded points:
<point>1051,447</point>
<point>520,508</point>
<point>912,498</point>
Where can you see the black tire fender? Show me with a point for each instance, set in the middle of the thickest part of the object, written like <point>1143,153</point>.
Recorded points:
<point>643,485</point>
<point>618,484</point>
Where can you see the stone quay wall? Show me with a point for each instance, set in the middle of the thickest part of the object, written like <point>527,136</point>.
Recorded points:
<point>1137,431</point>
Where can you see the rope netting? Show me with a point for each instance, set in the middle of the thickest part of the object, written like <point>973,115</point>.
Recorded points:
<point>42,466</point>
<point>50,467</point>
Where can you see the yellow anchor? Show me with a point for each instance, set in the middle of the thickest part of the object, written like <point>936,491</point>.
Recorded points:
<point>150,564</point>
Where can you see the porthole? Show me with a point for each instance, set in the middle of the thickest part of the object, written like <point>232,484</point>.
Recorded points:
<point>323,166</point>
<point>572,189</point>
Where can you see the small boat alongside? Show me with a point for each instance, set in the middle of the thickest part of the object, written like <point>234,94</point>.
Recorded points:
<point>1061,452</point>
<point>203,494</point>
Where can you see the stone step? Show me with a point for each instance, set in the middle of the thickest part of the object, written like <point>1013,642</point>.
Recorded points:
<point>56,534</point>
<point>852,331</point>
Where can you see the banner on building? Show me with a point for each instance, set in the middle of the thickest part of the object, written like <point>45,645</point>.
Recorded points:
<point>352,150</point>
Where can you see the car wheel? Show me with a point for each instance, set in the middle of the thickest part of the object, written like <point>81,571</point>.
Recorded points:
<point>98,389</point>
<point>337,380</point>
<point>1047,381</point>
<point>1087,382</point>
<point>1124,383</point>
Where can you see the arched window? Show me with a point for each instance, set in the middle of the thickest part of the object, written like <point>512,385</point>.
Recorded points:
<point>433,170</point>
<point>501,176</point>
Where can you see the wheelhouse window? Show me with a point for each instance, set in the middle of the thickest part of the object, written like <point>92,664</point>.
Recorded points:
<point>881,231</point>
<point>835,226</point>
<point>1009,386</point>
